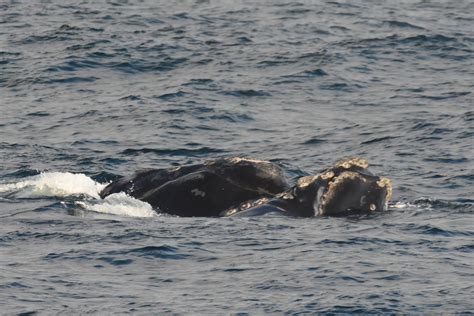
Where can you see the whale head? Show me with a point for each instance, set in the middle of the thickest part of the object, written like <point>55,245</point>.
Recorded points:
<point>346,188</point>
<point>353,193</point>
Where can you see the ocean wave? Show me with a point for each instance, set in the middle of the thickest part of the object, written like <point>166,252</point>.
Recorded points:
<point>247,93</point>
<point>173,152</point>
<point>402,24</point>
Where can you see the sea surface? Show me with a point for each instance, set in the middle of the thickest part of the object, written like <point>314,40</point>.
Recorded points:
<point>94,90</point>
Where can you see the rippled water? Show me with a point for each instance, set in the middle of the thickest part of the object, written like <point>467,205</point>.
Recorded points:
<point>93,91</point>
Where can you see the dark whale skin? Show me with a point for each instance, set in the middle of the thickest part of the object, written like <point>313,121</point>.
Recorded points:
<point>205,189</point>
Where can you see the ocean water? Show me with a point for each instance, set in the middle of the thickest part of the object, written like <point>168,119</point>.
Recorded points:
<point>94,90</point>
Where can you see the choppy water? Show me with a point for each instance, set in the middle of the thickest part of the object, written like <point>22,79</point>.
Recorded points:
<point>90,91</point>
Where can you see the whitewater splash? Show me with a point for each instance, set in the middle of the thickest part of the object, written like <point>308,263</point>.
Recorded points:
<point>119,204</point>
<point>65,185</point>
<point>53,184</point>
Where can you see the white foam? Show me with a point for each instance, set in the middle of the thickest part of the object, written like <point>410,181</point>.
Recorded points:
<point>119,204</point>
<point>411,206</point>
<point>401,205</point>
<point>53,184</point>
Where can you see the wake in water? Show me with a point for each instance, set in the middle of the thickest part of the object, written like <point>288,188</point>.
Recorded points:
<point>52,184</point>
<point>65,185</point>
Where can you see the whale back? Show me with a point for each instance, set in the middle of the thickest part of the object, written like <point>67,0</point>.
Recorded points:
<point>142,181</point>
<point>251,174</point>
<point>204,189</point>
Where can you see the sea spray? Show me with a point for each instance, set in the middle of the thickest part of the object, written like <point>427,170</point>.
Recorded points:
<point>52,184</point>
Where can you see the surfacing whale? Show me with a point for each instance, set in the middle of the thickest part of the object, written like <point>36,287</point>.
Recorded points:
<point>234,186</point>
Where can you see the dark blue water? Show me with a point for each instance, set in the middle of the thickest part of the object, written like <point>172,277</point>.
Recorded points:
<point>90,91</point>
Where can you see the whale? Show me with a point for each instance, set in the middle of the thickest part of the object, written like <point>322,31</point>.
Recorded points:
<point>242,187</point>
